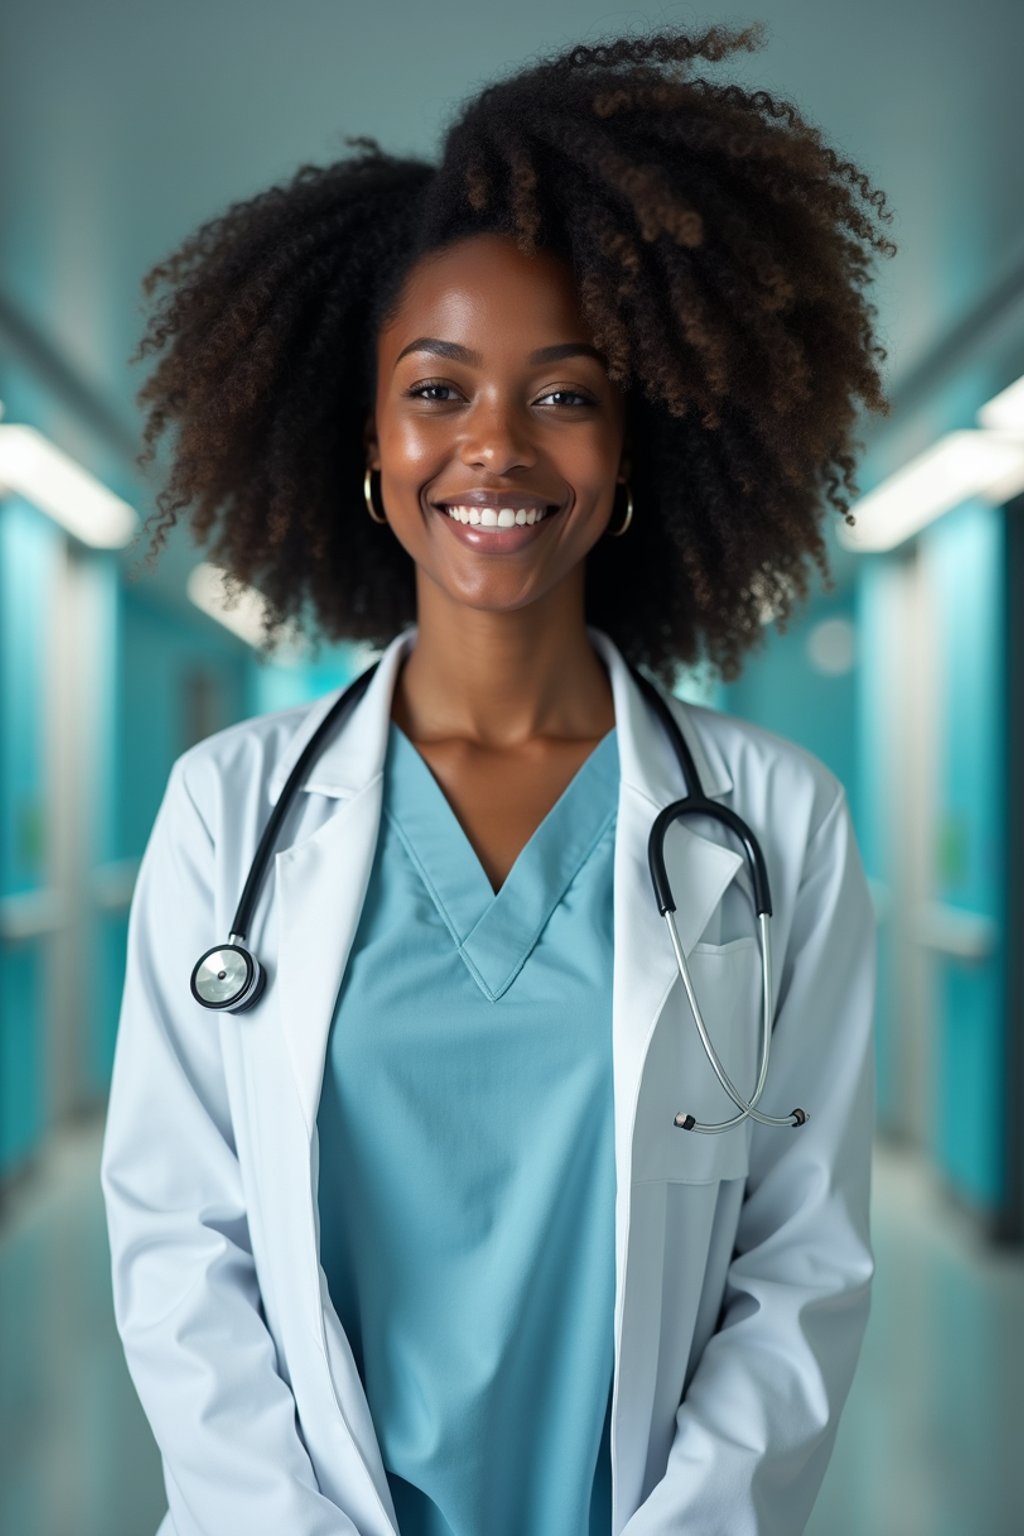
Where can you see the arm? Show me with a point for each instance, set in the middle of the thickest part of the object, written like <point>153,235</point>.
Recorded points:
<point>756,1428</point>
<point>186,1297</point>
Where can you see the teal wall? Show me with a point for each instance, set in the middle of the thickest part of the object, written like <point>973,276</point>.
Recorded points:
<point>879,635</point>
<point>174,680</point>
<point>154,680</point>
<point>273,686</point>
<point>178,680</point>
<point>29,550</point>
<point>966,555</point>
<point>107,928</point>
<point>781,690</point>
<point>962,562</point>
<point>852,722</point>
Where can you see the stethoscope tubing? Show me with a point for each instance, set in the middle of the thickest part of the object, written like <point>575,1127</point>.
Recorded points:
<point>696,803</point>
<point>229,977</point>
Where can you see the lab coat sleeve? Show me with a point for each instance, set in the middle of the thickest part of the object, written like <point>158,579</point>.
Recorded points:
<point>757,1425</point>
<point>186,1298</point>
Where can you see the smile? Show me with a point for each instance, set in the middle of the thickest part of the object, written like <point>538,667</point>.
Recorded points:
<point>496,530</point>
<point>495,517</point>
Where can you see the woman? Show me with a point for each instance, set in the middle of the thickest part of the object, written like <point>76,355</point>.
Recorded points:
<point>421,1241</point>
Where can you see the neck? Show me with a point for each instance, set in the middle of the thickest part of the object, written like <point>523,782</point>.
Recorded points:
<point>501,680</point>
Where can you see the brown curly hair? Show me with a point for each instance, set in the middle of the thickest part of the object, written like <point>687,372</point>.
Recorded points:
<point>719,256</point>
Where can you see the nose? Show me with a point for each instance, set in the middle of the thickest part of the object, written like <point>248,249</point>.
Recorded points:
<point>497,439</point>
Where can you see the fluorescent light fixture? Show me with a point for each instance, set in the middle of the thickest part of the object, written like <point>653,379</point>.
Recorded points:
<point>245,617</point>
<point>33,467</point>
<point>1005,411</point>
<point>959,466</point>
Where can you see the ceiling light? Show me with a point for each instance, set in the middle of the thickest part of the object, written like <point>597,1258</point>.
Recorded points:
<point>33,467</point>
<point>1005,411</point>
<point>244,618</point>
<point>959,466</point>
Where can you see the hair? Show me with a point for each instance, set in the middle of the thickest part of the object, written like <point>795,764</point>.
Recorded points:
<point>719,251</point>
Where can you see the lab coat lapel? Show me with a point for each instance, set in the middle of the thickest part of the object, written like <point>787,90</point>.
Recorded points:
<point>699,871</point>
<point>321,879</point>
<point>645,967</point>
<point>645,981</point>
<point>321,884</point>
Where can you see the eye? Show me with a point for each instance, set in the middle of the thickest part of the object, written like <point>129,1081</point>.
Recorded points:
<point>419,393</point>
<point>572,393</point>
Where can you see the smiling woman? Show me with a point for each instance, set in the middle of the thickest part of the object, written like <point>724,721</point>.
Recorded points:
<point>445,1233</point>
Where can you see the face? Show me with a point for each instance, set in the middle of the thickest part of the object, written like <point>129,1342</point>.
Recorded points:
<point>490,396</point>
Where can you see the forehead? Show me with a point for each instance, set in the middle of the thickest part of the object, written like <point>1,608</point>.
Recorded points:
<point>484,289</point>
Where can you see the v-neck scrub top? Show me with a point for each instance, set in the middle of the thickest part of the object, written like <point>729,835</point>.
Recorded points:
<point>466,1187</point>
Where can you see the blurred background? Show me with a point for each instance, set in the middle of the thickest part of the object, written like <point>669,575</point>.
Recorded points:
<point>122,127</point>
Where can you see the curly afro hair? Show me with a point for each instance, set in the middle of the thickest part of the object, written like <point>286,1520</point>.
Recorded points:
<point>719,251</point>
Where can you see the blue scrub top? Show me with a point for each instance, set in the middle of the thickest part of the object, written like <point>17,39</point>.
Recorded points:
<point>467,1164</point>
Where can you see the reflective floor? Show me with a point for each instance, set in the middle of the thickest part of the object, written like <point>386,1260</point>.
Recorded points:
<point>930,1444</point>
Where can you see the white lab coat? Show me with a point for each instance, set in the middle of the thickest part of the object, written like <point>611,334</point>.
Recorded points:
<point>743,1260</point>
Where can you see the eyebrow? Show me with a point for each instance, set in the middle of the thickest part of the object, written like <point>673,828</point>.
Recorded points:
<point>460,354</point>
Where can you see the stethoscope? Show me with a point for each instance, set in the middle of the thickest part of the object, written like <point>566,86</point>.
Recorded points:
<point>230,977</point>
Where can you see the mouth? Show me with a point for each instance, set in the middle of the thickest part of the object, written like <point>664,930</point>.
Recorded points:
<point>496,517</point>
<point>496,530</point>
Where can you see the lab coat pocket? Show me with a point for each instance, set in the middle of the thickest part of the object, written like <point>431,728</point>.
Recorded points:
<point>679,1078</point>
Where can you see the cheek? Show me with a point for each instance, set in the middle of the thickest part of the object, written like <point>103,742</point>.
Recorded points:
<point>592,452</point>
<point>407,444</point>
<point>415,453</point>
<point>593,482</point>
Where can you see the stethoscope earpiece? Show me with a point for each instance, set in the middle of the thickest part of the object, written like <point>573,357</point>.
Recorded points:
<point>228,977</point>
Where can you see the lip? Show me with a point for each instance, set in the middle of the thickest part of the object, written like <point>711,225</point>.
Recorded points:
<point>494,541</point>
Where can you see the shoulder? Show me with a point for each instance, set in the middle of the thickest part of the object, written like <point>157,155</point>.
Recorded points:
<point>798,810</point>
<point>771,778</point>
<point>236,764</point>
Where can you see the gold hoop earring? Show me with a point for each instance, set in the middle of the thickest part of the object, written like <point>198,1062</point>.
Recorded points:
<point>617,533</point>
<point>368,497</point>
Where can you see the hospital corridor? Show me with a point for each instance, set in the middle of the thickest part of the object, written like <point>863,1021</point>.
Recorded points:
<point>263,938</point>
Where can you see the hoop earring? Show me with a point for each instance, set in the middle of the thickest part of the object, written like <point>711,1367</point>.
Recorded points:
<point>617,533</point>
<point>368,497</point>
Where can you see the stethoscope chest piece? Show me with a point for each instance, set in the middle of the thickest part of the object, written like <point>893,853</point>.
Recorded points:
<point>228,976</point>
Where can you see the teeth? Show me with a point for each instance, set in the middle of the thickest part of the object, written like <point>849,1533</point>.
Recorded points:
<point>492,517</point>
